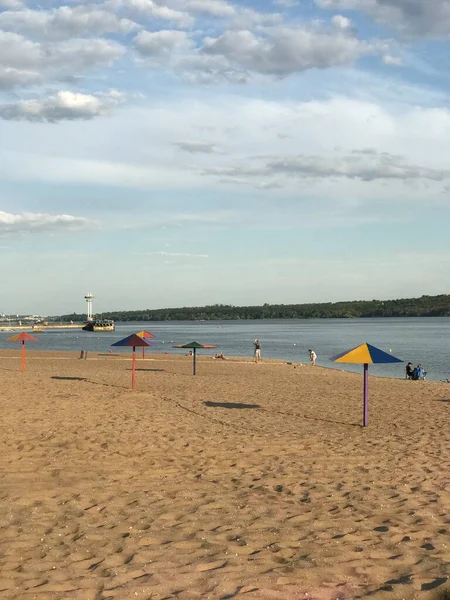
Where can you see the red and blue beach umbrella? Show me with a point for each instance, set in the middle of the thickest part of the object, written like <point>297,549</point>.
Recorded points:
<point>194,346</point>
<point>133,341</point>
<point>23,337</point>
<point>366,355</point>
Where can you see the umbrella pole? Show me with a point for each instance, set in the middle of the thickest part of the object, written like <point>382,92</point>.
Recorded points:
<point>133,368</point>
<point>23,355</point>
<point>194,361</point>
<point>366,396</point>
<point>143,352</point>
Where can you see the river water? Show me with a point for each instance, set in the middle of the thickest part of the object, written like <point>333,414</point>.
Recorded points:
<point>424,340</point>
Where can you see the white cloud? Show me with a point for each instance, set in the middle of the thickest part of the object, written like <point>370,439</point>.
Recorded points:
<point>64,105</point>
<point>342,23</point>
<point>25,62</point>
<point>248,18</point>
<point>411,17</point>
<point>180,254</point>
<point>286,50</point>
<point>195,147</point>
<point>153,10</point>
<point>36,222</point>
<point>162,43</point>
<point>392,61</point>
<point>245,130</point>
<point>11,4</point>
<point>210,8</point>
<point>366,166</point>
<point>286,3</point>
<point>65,22</point>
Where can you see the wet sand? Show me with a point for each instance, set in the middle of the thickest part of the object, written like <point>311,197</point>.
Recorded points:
<point>248,481</point>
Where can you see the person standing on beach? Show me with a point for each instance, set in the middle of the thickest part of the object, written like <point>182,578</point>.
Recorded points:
<point>257,344</point>
<point>312,357</point>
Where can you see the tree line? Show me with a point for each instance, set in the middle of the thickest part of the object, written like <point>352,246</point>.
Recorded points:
<point>425,306</point>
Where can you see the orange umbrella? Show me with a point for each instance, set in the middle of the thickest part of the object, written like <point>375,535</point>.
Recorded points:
<point>145,335</point>
<point>23,337</point>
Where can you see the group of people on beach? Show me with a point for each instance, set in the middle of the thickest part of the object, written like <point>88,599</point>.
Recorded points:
<point>257,352</point>
<point>415,373</point>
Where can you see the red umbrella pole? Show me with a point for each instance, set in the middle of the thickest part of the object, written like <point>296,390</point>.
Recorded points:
<point>133,369</point>
<point>143,352</point>
<point>23,355</point>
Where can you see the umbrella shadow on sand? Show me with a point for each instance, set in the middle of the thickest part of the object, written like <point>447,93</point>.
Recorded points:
<point>150,370</point>
<point>229,404</point>
<point>59,378</point>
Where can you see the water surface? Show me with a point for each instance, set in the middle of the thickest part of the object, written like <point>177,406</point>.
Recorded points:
<point>424,340</point>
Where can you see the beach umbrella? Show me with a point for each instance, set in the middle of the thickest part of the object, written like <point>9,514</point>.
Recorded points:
<point>23,337</point>
<point>145,335</point>
<point>194,346</point>
<point>132,340</point>
<point>366,355</point>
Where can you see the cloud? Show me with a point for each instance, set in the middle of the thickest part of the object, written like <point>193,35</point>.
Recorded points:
<point>63,106</point>
<point>11,4</point>
<point>247,18</point>
<point>179,254</point>
<point>195,147</point>
<point>286,50</point>
<point>342,23</point>
<point>286,3</point>
<point>210,8</point>
<point>162,43</point>
<point>25,62</point>
<point>37,222</point>
<point>155,11</point>
<point>65,22</point>
<point>365,166</point>
<point>429,18</point>
<point>392,61</point>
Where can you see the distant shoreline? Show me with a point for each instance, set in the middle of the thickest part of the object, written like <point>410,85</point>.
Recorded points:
<point>425,306</point>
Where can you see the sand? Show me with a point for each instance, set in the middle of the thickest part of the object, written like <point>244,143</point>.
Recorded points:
<point>247,481</point>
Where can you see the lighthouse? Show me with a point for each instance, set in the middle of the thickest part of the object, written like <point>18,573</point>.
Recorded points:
<point>89,298</point>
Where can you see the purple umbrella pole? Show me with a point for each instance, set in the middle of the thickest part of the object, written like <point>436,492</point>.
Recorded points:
<point>366,396</point>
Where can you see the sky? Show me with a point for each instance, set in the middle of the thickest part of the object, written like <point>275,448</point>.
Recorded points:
<point>163,153</point>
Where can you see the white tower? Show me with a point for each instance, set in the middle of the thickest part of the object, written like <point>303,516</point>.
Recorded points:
<point>89,298</point>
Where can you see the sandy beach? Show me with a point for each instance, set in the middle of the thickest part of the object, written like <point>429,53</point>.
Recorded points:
<point>252,481</point>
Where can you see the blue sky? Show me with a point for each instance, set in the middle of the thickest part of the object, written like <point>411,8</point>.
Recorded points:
<point>188,152</point>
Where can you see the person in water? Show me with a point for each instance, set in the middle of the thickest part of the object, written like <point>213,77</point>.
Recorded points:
<point>312,357</point>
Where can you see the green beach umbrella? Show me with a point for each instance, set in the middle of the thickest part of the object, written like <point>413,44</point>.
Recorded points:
<point>194,346</point>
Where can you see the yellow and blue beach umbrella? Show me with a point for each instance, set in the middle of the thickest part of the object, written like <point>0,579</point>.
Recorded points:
<point>366,355</point>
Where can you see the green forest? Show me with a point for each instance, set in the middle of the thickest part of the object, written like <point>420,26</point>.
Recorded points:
<point>426,306</point>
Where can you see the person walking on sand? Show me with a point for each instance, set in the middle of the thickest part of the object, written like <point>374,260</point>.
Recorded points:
<point>312,357</point>
<point>257,344</point>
